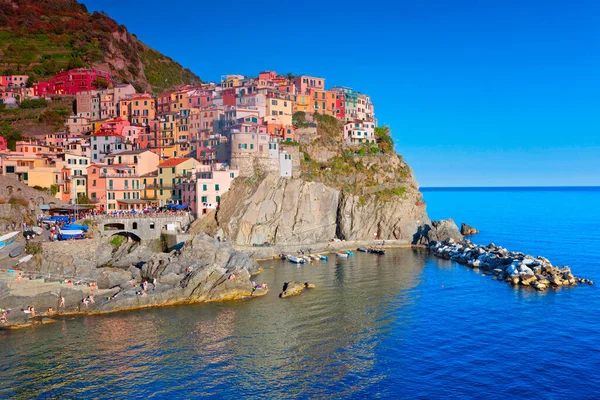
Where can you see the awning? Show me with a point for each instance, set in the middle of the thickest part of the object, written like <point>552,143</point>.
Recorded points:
<point>132,201</point>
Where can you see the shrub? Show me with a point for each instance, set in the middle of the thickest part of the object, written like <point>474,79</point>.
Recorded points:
<point>34,103</point>
<point>118,240</point>
<point>33,247</point>
<point>18,201</point>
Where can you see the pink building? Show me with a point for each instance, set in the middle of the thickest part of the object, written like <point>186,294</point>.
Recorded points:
<point>3,143</point>
<point>200,98</point>
<point>304,83</point>
<point>203,193</point>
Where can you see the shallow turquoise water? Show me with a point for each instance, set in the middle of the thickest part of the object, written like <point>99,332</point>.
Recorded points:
<point>401,325</point>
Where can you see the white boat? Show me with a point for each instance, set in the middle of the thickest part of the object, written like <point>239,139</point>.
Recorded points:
<point>296,260</point>
<point>37,230</point>
<point>25,259</point>
<point>341,254</point>
<point>8,239</point>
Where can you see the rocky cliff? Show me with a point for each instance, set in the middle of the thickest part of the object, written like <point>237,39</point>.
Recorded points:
<point>348,193</point>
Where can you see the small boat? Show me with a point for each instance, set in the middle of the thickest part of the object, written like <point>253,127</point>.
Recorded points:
<point>8,239</point>
<point>314,257</point>
<point>350,252</point>
<point>342,254</point>
<point>25,259</point>
<point>29,233</point>
<point>70,234</point>
<point>377,251</point>
<point>16,252</point>
<point>296,260</point>
<point>76,227</point>
<point>37,230</point>
<point>322,258</point>
<point>363,249</point>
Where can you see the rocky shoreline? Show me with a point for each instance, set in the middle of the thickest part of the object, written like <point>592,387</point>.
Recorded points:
<point>515,268</point>
<point>93,277</point>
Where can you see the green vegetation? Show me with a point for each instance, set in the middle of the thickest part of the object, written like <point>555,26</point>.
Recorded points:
<point>33,103</point>
<point>33,248</point>
<point>54,189</point>
<point>11,135</point>
<point>384,139</point>
<point>18,202</point>
<point>41,37</point>
<point>118,240</point>
<point>89,222</point>
<point>83,199</point>
<point>100,83</point>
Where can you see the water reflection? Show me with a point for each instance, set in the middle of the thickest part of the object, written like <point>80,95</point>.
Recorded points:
<point>308,344</point>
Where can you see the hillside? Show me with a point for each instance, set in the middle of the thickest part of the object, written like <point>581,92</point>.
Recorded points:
<point>358,193</point>
<point>42,37</point>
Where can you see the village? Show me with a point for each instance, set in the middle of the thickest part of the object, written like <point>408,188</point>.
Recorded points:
<point>123,151</point>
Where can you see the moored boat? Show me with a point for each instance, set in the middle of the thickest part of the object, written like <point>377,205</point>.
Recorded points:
<point>341,254</point>
<point>8,239</point>
<point>377,251</point>
<point>65,234</point>
<point>350,252</point>
<point>363,249</point>
<point>296,260</point>
<point>17,251</point>
<point>25,259</point>
<point>322,258</point>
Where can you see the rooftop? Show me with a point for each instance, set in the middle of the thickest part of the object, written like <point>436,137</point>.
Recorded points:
<point>172,162</point>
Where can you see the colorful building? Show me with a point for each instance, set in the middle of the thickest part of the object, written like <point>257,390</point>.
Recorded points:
<point>71,82</point>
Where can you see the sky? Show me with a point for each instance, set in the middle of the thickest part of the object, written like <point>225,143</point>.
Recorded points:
<point>476,92</point>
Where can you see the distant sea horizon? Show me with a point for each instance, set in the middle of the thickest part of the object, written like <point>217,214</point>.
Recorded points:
<point>507,188</point>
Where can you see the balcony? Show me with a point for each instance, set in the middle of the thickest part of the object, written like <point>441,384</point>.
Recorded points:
<point>103,175</point>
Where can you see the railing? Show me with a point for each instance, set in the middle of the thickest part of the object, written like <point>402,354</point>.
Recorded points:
<point>103,175</point>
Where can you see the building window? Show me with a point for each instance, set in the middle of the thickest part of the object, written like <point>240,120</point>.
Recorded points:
<point>204,199</point>
<point>217,187</point>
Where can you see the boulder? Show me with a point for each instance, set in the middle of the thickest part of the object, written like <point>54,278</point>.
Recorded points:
<point>467,230</point>
<point>294,288</point>
<point>444,230</point>
<point>111,277</point>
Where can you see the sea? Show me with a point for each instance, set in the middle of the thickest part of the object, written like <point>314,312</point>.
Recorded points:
<point>401,325</point>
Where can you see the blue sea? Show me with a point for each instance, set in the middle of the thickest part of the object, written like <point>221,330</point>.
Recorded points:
<point>402,325</point>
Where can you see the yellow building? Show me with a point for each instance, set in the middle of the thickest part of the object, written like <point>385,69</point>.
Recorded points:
<point>142,109</point>
<point>170,173</point>
<point>302,103</point>
<point>279,110</point>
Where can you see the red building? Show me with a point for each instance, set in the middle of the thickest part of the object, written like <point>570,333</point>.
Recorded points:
<point>340,106</point>
<point>229,96</point>
<point>3,144</point>
<point>70,82</point>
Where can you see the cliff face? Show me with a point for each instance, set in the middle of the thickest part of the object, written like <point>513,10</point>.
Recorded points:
<point>302,211</point>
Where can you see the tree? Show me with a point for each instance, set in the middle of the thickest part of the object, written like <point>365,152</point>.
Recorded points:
<point>384,138</point>
<point>83,199</point>
<point>100,83</point>
<point>11,135</point>
<point>290,77</point>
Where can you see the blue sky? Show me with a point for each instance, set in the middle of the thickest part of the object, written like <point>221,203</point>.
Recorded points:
<point>477,93</point>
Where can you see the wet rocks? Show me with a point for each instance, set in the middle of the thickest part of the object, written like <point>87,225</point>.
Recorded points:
<point>294,288</point>
<point>466,230</point>
<point>515,268</point>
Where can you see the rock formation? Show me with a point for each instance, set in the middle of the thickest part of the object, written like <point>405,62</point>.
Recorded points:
<point>513,267</point>
<point>203,270</point>
<point>466,230</point>
<point>294,288</point>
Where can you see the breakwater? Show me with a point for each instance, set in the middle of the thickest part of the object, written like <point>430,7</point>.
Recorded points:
<point>516,268</point>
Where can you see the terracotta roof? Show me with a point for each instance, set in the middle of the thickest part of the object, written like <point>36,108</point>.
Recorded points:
<point>171,162</point>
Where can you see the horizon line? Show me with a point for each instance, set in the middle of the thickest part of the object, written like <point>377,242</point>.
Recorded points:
<point>509,187</point>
